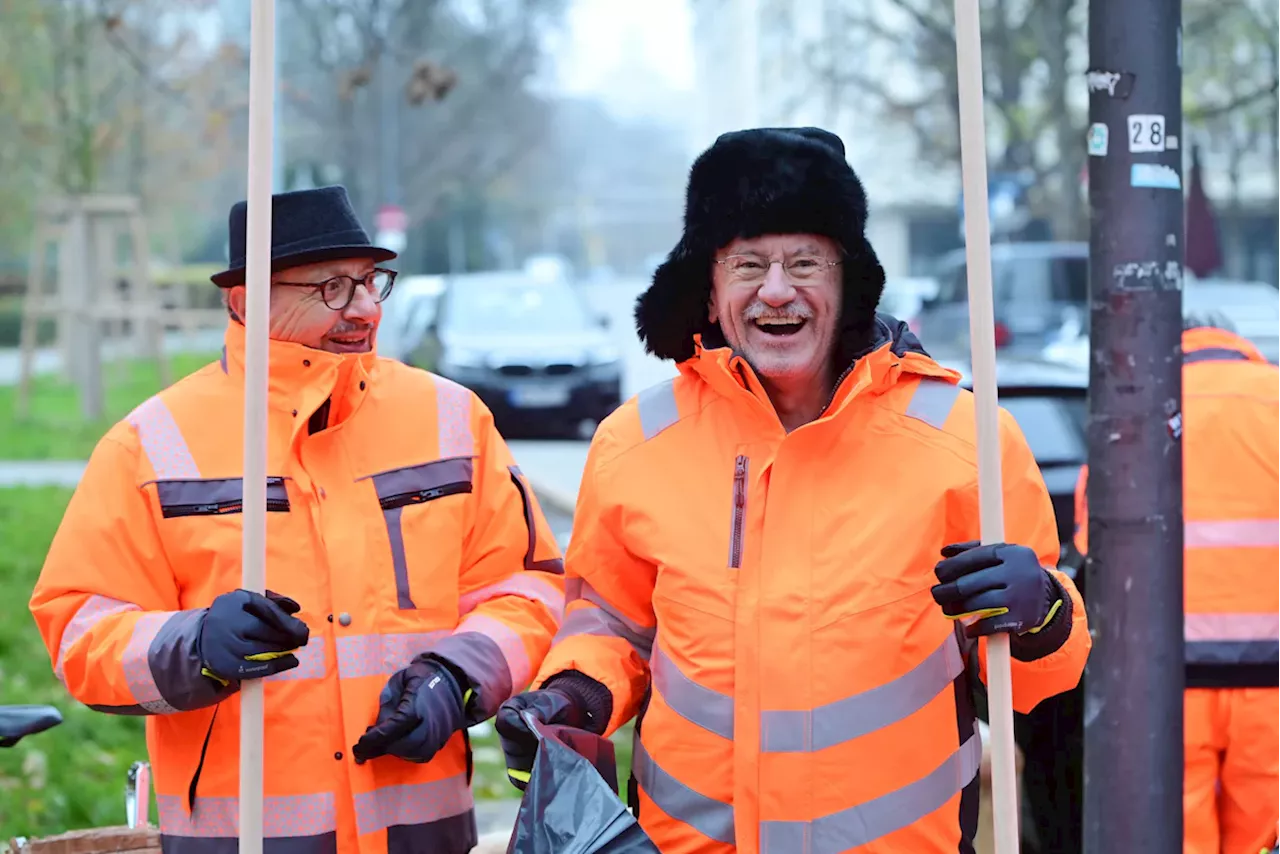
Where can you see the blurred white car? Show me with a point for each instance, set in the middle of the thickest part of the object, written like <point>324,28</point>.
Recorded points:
<point>1250,309</point>
<point>407,314</point>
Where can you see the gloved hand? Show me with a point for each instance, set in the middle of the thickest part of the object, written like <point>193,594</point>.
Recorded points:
<point>551,706</point>
<point>247,635</point>
<point>421,707</point>
<point>1004,585</point>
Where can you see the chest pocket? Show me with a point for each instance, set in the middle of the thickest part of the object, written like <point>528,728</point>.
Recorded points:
<point>423,530</point>
<point>202,534</point>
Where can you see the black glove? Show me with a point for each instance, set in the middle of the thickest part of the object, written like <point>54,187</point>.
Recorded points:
<point>1003,585</point>
<point>247,635</point>
<point>569,699</point>
<point>420,709</point>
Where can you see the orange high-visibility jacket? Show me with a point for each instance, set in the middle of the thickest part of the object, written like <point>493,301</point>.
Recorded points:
<point>397,519</point>
<point>1231,508</point>
<point>762,601</point>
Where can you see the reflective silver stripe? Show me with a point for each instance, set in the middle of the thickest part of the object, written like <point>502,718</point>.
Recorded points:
<point>529,585</point>
<point>594,620</point>
<point>88,615</point>
<point>874,819</point>
<point>696,703</point>
<point>310,663</point>
<point>932,401</point>
<point>602,620</point>
<point>412,803</point>
<point>657,407</point>
<point>453,414</point>
<point>1232,627</point>
<point>1232,534</point>
<point>162,441</point>
<point>282,815</point>
<point>864,712</point>
<point>509,642</point>
<point>711,818</point>
<point>381,655</point>
<point>137,662</point>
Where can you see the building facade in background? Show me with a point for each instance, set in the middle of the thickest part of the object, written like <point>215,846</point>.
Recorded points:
<point>755,61</point>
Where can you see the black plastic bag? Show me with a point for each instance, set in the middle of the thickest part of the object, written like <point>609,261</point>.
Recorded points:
<point>571,804</point>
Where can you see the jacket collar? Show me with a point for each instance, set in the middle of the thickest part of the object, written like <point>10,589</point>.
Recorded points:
<point>894,350</point>
<point>301,380</point>
<point>1204,338</point>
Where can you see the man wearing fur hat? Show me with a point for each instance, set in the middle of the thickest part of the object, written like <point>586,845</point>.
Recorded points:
<point>754,573</point>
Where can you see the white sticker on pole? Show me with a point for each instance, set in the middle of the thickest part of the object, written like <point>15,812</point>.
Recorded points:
<point>1146,133</point>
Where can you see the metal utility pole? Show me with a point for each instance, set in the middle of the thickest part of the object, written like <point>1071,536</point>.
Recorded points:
<point>1134,680</point>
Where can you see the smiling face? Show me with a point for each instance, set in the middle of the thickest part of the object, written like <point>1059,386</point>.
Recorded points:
<point>783,323</point>
<point>299,314</point>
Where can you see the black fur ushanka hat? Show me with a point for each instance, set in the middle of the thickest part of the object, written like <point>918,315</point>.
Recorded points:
<point>750,183</point>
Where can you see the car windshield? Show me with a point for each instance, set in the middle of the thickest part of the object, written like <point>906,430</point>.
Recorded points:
<point>524,307</point>
<point>1054,426</point>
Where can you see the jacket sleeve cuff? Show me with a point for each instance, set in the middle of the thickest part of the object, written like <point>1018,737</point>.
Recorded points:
<point>1047,641</point>
<point>592,698</point>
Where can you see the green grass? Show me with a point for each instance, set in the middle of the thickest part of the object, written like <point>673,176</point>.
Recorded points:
<point>53,428</point>
<point>72,777</point>
<point>489,780</point>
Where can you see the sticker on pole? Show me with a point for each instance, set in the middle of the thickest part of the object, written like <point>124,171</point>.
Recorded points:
<point>1099,135</point>
<point>1146,133</point>
<point>1155,176</point>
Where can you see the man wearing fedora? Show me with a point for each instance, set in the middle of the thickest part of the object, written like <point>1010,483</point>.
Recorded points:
<point>413,583</point>
<point>775,567</point>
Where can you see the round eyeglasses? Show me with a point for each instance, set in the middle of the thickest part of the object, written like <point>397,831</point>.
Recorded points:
<point>751,269</point>
<point>339,291</point>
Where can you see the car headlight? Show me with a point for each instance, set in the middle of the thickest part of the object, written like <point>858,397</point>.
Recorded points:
<point>463,358</point>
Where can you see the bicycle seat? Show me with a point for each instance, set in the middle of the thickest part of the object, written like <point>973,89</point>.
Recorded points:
<point>17,722</point>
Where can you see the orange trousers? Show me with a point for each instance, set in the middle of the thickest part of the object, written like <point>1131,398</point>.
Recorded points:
<point>1231,784</point>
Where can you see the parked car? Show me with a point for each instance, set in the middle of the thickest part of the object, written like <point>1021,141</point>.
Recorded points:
<point>1050,403</point>
<point>1039,290</point>
<point>407,314</point>
<point>1250,309</point>
<point>530,347</point>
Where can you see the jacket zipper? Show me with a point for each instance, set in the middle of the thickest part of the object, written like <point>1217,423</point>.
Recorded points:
<point>419,496</point>
<point>219,508</point>
<point>739,511</point>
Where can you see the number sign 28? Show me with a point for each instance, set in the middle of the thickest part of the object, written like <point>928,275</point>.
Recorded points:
<point>1146,133</point>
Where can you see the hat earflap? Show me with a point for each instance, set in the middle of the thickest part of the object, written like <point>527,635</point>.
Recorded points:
<point>675,307</point>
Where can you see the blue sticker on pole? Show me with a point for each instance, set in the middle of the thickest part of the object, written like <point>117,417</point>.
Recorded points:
<point>1155,176</point>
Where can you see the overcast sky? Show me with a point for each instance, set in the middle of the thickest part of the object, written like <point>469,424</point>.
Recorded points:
<point>637,57</point>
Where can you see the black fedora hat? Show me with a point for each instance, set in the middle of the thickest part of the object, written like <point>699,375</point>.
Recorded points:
<point>307,226</point>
